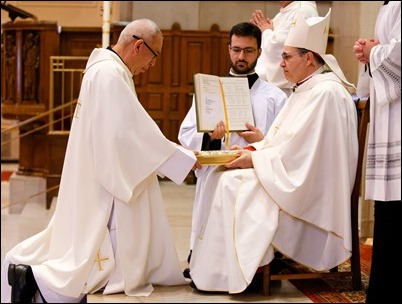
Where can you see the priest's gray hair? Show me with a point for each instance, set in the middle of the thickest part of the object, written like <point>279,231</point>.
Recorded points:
<point>144,28</point>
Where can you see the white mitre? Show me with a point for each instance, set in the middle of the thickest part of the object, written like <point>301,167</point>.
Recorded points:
<point>312,35</point>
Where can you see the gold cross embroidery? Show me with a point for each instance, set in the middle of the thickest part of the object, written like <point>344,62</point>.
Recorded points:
<point>293,24</point>
<point>99,260</point>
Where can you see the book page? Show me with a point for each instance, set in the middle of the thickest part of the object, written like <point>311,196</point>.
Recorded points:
<point>209,103</point>
<point>237,102</point>
<point>224,99</point>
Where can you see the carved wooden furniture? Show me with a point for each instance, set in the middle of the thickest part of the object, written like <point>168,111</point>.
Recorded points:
<point>27,46</point>
<point>297,273</point>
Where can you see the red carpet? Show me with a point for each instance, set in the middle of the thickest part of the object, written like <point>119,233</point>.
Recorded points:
<point>5,175</point>
<point>338,290</point>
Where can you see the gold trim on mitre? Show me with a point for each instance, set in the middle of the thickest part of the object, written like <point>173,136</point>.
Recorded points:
<point>312,34</point>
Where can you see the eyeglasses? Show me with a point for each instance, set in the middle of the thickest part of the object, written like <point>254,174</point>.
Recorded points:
<point>146,44</point>
<point>247,51</point>
<point>287,56</point>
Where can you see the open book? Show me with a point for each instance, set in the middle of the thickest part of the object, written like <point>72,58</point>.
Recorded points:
<point>224,99</point>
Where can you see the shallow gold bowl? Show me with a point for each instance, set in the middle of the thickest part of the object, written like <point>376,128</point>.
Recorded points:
<point>216,157</point>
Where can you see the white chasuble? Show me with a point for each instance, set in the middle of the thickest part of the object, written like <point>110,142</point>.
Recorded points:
<point>296,199</point>
<point>238,234</point>
<point>113,155</point>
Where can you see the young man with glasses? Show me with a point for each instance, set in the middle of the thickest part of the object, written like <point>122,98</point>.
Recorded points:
<point>109,230</point>
<point>267,100</point>
<point>291,191</point>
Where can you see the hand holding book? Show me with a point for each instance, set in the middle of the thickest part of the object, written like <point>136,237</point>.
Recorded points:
<point>252,135</point>
<point>219,131</point>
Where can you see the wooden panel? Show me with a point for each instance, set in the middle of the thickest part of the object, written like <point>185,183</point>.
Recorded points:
<point>196,58</point>
<point>25,88</point>
<point>155,102</point>
<point>174,102</point>
<point>25,78</point>
<point>79,41</point>
<point>223,65</point>
<point>32,160</point>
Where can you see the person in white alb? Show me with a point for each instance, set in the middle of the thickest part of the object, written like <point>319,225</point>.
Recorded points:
<point>381,56</point>
<point>274,33</point>
<point>280,193</point>
<point>266,99</point>
<point>109,229</point>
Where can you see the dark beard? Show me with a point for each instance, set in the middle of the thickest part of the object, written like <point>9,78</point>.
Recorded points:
<point>245,71</point>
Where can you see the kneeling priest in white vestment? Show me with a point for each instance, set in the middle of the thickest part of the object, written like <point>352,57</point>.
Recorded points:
<point>109,230</point>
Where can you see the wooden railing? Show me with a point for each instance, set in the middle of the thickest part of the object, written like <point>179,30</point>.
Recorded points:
<point>8,130</point>
<point>66,74</point>
<point>65,79</point>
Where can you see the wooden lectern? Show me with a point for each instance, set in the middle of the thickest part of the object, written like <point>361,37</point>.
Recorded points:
<point>26,48</point>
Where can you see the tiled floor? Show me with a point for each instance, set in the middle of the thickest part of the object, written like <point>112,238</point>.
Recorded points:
<point>34,216</point>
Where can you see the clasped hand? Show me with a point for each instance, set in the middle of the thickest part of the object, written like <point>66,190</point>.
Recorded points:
<point>362,49</point>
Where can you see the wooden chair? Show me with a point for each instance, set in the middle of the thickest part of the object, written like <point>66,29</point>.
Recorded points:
<point>294,273</point>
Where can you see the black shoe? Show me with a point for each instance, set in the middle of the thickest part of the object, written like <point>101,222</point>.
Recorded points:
<point>22,282</point>
<point>189,256</point>
<point>192,285</point>
<point>186,273</point>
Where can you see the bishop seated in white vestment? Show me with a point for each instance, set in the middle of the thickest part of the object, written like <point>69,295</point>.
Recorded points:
<point>292,191</point>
